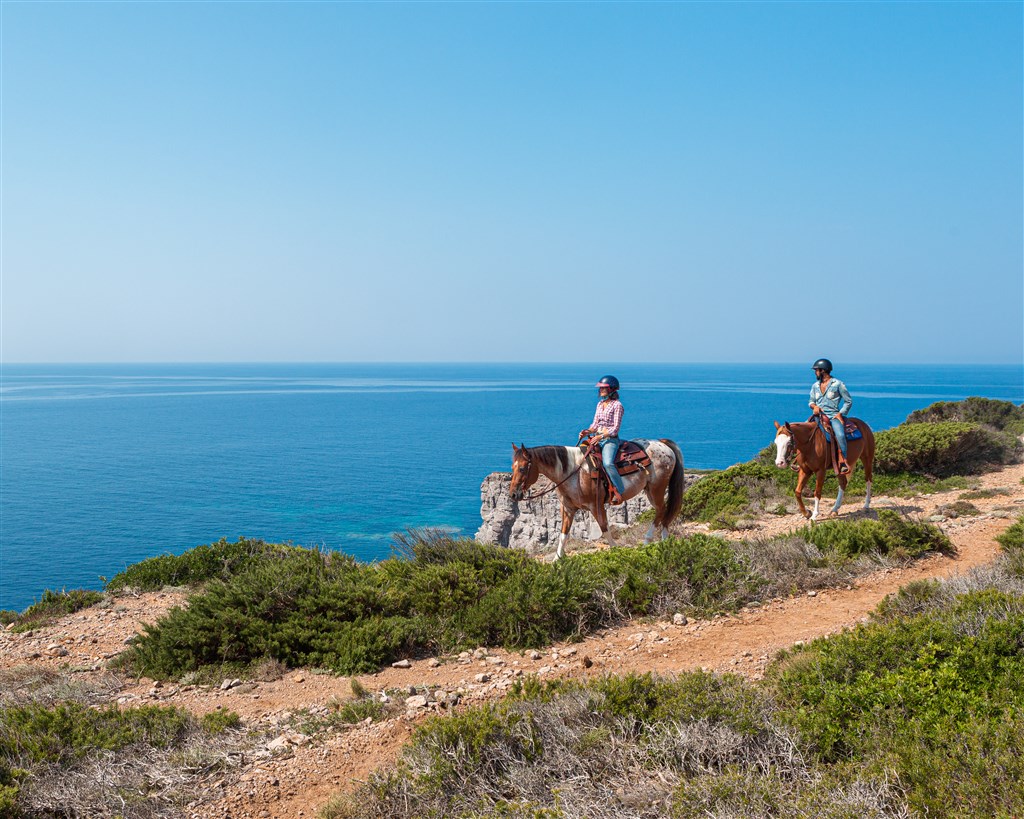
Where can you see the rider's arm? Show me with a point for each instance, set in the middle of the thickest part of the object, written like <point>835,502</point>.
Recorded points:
<point>844,408</point>
<point>814,399</point>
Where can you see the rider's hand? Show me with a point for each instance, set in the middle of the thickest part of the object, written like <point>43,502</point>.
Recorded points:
<point>816,408</point>
<point>839,416</point>
<point>584,433</point>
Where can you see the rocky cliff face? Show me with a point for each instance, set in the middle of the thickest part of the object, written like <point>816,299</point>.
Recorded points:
<point>534,525</point>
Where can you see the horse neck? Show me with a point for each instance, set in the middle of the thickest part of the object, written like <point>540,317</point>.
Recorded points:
<point>555,462</point>
<point>808,445</point>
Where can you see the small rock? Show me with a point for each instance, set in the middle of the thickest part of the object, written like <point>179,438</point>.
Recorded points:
<point>298,678</point>
<point>812,593</point>
<point>534,655</point>
<point>679,619</point>
<point>433,662</point>
<point>402,664</point>
<point>412,703</point>
<point>482,678</point>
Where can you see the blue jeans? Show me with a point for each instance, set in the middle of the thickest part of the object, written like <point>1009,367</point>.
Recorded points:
<point>840,433</point>
<point>609,449</point>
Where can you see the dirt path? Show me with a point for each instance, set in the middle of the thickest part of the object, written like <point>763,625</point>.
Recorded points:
<point>298,775</point>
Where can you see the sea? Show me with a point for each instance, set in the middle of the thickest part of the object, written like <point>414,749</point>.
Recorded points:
<point>102,466</point>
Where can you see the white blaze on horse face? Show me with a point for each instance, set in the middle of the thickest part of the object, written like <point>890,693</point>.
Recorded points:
<point>781,448</point>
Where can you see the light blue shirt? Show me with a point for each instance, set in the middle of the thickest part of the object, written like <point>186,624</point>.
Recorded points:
<point>835,400</point>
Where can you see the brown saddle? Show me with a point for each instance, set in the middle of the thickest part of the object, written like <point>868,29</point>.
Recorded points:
<point>631,457</point>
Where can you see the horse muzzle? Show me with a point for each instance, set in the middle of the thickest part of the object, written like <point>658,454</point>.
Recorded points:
<point>516,494</point>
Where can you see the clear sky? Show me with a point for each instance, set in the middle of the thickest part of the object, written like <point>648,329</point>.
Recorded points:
<point>317,181</point>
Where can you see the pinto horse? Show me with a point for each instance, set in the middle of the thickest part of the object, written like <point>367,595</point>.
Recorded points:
<point>579,487</point>
<point>813,458</point>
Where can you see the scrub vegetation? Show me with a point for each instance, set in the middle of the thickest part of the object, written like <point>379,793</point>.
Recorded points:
<point>307,608</point>
<point>57,748</point>
<point>914,712</point>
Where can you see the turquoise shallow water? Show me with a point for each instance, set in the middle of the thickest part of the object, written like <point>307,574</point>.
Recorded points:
<point>105,465</point>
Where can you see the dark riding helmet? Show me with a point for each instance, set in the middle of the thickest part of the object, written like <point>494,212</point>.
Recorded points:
<point>822,364</point>
<point>609,381</point>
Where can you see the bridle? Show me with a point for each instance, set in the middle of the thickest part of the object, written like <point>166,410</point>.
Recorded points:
<point>791,455</point>
<point>553,487</point>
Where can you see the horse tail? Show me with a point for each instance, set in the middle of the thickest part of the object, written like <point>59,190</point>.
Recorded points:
<point>676,485</point>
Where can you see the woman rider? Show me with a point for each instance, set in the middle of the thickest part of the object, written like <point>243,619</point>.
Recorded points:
<point>606,424</point>
<point>829,397</point>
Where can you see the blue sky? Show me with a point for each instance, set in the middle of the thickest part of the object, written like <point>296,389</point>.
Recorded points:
<point>512,181</point>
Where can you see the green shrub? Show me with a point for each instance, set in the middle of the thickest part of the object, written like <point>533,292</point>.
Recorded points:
<point>1001,415</point>
<point>70,730</point>
<point>217,722</point>
<point>7,616</point>
<point>308,608</point>
<point>902,694</point>
<point>53,605</point>
<point>1012,540</point>
<point>891,534</point>
<point>221,560</point>
<point>722,496</point>
<point>941,449</point>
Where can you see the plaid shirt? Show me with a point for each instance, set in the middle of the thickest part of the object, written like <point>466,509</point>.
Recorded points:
<point>608,417</point>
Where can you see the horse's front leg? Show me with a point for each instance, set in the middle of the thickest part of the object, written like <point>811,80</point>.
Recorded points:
<point>601,516</point>
<point>819,484</point>
<point>801,483</point>
<point>568,513</point>
<point>839,498</point>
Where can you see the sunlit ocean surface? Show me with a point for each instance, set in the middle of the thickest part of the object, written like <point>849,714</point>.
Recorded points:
<point>104,465</point>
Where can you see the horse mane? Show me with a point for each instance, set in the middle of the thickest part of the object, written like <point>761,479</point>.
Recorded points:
<point>553,457</point>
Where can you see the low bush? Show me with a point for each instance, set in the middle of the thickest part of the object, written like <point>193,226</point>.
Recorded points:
<point>941,449</point>
<point>53,605</point>
<point>308,608</point>
<point>932,696</point>
<point>216,722</point>
<point>719,498</point>
<point>216,560</point>
<point>1012,540</point>
<point>890,534</point>
<point>1001,415</point>
<point>612,747</point>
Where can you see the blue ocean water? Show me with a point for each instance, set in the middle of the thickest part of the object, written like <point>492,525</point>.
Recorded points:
<point>104,465</point>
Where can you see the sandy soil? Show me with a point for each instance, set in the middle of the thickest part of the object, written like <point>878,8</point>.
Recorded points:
<point>293,775</point>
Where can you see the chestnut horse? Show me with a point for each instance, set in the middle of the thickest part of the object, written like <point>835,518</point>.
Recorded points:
<point>579,488</point>
<point>813,458</point>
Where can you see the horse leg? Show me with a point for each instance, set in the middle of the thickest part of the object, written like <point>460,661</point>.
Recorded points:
<point>842,491</point>
<point>568,513</point>
<point>869,464</point>
<point>819,484</point>
<point>658,502</point>
<point>801,482</point>
<point>601,516</point>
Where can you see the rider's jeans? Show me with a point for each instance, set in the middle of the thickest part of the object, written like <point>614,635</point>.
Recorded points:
<point>609,449</point>
<point>840,433</point>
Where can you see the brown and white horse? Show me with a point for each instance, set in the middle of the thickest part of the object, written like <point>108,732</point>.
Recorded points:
<point>812,458</point>
<point>578,488</point>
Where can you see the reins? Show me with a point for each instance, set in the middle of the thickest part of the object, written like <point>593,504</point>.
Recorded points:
<point>553,487</point>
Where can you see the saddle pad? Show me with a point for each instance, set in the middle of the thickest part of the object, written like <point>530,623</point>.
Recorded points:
<point>852,430</point>
<point>629,452</point>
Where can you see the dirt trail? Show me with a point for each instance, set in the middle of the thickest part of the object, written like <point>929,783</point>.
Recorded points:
<point>300,775</point>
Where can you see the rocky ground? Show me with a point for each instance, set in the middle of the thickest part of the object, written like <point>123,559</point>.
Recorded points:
<point>294,769</point>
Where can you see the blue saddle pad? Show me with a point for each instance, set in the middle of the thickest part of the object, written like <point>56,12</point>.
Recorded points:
<point>852,430</point>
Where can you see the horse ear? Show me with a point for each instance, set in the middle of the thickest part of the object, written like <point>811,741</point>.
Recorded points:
<point>778,425</point>
<point>522,446</point>
<point>515,449</point>
<point>789,429</point>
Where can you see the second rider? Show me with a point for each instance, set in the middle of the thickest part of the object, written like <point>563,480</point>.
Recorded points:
<point>606,424</point>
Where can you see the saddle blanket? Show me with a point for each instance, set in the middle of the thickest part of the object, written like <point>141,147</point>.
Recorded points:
<point>852,430</point>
